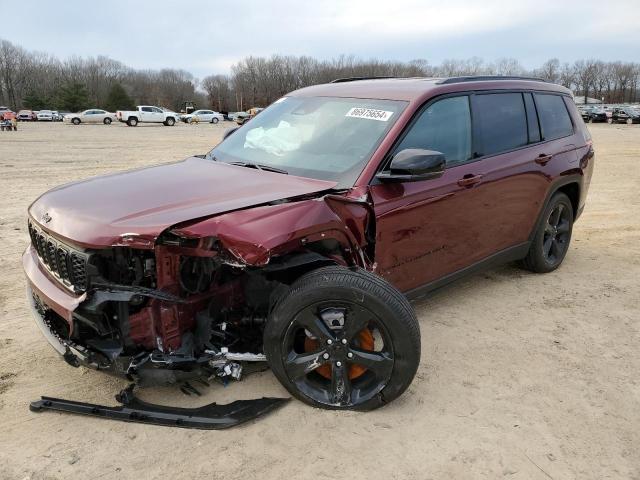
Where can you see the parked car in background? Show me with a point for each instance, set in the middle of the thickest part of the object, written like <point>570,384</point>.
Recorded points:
<point>248,115</point>
<point>233,116</point>
<point>94,115</point>
<point>204,116</point>
<point>45,116</point>
<point>8,120</point>
<point>146,114</point>
<point>26,116</point>
<point>627,115</point>
<point>57,116</point>
<point>593,114</point>
<point>300,237</point>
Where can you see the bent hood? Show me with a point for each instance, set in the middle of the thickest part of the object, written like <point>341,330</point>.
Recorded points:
<point>134,207</point>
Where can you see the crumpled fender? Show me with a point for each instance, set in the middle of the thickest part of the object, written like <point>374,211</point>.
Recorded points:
<point>252,236</point>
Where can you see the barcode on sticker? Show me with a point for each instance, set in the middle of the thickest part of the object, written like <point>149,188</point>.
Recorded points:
<point>370,113</point>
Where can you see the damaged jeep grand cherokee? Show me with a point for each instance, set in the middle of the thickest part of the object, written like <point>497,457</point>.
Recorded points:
<point>301,237</point>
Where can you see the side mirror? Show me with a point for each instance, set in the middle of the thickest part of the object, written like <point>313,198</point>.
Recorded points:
<point>228,132</point>
<point>414,165</point>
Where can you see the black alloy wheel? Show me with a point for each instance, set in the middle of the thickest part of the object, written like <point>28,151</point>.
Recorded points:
<point>335,364</point>
<point>343,339</point>
<point>552,237</point>
<point>557,233</point>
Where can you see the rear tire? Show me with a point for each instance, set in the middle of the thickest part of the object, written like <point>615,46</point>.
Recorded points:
<point>629,121</point>
<point>316,342</point>
<point>551,241</point>
<point>76,121</point>
<point>132,122</point>
<point>214,120</point>
<point>107,121</point>
<point>609,120</point>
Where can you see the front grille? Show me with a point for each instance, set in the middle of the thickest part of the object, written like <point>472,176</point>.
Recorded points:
<point>67,264</point>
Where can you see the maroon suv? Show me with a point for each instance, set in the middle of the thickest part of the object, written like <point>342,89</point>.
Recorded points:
<point>299,239</point>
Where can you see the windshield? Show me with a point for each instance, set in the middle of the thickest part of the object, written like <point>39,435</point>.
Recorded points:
<point>317,137</point>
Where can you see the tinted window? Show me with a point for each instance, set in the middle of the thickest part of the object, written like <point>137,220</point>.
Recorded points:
<point>532,119</point>
<point>501,122</point>
<point>147,109</point>
<point>444,126</point>
<point>554,117</point>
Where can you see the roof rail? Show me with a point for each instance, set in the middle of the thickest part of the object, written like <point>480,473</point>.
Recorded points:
<point>485,78</point>
<point>354,79</point>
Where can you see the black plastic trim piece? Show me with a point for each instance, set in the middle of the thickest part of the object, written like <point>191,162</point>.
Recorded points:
<point>207,417</point>
<point>355,79</point>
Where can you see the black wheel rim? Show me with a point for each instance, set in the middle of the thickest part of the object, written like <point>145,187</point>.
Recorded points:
<point>556,234</point>
<point>335,326</point>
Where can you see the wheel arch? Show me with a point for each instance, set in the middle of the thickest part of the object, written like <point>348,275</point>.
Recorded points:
<point>571,186</point>
<point>571,190</point>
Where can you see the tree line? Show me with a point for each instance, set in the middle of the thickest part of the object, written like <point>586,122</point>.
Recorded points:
<point>38,80</point>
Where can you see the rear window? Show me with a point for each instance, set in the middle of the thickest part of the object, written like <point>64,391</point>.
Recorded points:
<point>501,122</point>
<point>554,117</point>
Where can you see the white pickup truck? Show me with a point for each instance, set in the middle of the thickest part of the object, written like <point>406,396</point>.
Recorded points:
<point>147,114</point>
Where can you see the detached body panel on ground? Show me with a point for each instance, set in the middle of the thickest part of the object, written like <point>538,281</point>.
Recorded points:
<point>393,187</point>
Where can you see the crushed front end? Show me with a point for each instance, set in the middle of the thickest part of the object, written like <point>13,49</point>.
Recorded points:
<point>156,312</point>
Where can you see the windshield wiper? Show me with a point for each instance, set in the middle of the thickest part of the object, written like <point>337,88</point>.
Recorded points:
<point>259,167</point>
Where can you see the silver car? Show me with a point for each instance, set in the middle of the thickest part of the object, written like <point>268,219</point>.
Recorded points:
<point>45,116</point>
<point>208,116</point>
<point>91,116</point>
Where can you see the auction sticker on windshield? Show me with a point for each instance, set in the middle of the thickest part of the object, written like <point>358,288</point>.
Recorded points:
<point>370,113</point>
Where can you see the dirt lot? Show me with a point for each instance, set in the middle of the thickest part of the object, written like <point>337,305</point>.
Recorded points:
<point>523,376</point>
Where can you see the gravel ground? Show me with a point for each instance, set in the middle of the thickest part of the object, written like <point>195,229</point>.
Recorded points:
<point>522,376</point>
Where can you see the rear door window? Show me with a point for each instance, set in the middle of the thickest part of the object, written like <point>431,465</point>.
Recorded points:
<point>554,117</point>
<point>500,121</point>
<point>444,126</point>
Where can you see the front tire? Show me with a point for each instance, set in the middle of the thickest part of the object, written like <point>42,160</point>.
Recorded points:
<point>343,339</point>
<point>551,241</point>
<point>170,122</point>
<point>629,121</point>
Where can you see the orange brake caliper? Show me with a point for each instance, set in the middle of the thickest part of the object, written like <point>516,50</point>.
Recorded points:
<point>364,341</point>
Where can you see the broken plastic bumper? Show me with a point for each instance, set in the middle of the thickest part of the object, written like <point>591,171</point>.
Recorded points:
<point>207,417</point>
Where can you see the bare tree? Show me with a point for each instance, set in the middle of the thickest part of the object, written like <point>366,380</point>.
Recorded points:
<point>258,81</point>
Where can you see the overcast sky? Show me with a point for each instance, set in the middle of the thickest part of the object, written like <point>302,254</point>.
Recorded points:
<point>207,37</point>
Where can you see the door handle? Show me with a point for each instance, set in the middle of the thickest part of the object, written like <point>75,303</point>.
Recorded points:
<point>542,159</point>
<point>469,180</point>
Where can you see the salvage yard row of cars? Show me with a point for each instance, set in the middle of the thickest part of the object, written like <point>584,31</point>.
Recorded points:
<point>142,114</point>
<point>610,113</point>
<point>34,115</point>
